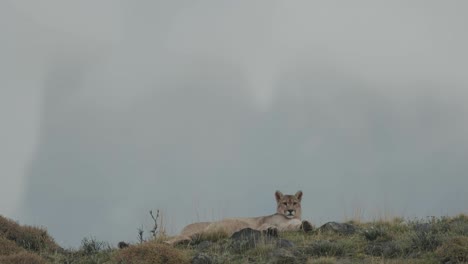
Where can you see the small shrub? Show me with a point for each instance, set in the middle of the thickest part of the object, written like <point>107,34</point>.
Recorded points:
<point>454,250</point>
<point>22,258</point>
<point>425,240</point>
<point>150,253</point>
<point>427,235</point>
<point>91,246</point>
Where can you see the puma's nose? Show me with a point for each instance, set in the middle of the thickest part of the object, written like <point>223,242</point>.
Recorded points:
<point>290,211</point>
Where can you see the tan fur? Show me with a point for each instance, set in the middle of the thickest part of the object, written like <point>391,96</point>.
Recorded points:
<point>287,218</point>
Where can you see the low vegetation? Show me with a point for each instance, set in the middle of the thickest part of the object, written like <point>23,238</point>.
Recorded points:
<point>151,253</point>
<point>431,240</point>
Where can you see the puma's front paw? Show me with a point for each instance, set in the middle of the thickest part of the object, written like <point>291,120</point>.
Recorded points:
<point>271,231</point>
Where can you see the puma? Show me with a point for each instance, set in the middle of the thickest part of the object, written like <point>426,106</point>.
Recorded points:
<point>287,218</point>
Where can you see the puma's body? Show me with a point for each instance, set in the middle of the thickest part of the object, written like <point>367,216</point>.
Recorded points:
<point>287,218</point>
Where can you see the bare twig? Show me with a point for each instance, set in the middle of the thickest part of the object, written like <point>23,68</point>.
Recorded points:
<point>155,228</point>
<point>140,235</point>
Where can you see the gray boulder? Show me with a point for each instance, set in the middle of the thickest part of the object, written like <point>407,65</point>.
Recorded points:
<point>340,228</point>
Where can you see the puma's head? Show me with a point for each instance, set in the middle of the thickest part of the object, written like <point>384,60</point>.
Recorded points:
<point>289,205</point>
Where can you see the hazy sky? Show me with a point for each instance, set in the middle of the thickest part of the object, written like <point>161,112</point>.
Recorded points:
<point>204,108</point>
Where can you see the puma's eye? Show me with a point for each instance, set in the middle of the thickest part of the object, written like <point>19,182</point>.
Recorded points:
<point>294,203</point>
<point>285,203</point>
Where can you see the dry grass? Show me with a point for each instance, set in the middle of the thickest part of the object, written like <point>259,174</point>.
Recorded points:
<point>8,247</point>
<point>151,253</point>
<point>211,236</point>
<point>28,237</point>
<point>22,258</point>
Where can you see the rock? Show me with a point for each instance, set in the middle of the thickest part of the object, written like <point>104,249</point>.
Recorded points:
<point>248,238</point>
<point>307,226</point>
<point>374,233</point>
<point>244,239</point>
<point>202,258</point>
<point>340,228</point>
<point>247,234</point>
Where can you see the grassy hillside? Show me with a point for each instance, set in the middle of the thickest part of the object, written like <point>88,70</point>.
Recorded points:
<point>432,240</point>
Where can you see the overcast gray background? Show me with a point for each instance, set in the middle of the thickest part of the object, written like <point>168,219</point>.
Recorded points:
<point>204,108</point>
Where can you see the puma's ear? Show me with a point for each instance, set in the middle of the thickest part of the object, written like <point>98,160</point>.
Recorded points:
<point>278,196</point>
<point>299,195</point>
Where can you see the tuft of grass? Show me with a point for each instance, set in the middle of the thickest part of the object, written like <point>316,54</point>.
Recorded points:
<point>22,258</point>
<point>325,248</point>
<point>454,250</point>
<point>151,253</point>
<point>8,247</point>
<point>28,237</point>
<point>322,260</point>
<point>261,250</point>
<point>78,257</point>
